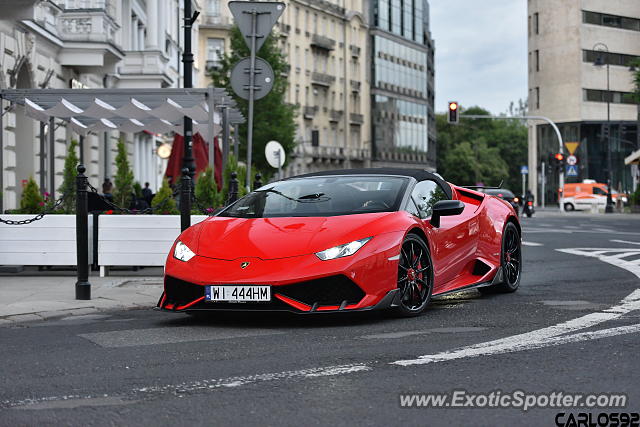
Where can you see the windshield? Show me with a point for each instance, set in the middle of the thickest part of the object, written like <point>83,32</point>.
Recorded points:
<point>321,196</point>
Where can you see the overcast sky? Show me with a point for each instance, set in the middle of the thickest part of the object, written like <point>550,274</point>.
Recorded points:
<point>481,52</point>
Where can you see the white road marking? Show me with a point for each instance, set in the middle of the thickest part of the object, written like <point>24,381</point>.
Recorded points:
<point>528,230</point>
<point>552,335</point>
<point>625,241</point>
<point>525,243</point>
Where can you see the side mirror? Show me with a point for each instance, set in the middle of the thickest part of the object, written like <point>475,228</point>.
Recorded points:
<point>445,208</point>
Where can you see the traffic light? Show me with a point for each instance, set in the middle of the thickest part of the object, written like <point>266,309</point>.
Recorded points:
<point>453,112</point>
<point>559,160</point>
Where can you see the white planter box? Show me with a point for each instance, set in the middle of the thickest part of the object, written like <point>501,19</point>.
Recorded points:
<point>137,240</point>
<point>49,241</point>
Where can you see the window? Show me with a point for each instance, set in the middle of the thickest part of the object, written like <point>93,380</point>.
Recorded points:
<point>215,51</point>
<point>529,26</point>
<point>610,58</point>
<point>536,27</point>
<point>537,98</point>
<point>213,7</point>
<point>599,191</point>
<point>598,95</point>
<point>537,58</point>
<point>425,195</point>
<point>607,20</point>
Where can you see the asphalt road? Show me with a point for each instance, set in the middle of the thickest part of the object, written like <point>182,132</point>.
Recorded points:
<point>557,333</point>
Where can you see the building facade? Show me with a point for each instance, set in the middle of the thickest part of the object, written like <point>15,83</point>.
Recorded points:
<point>569,83</point>
<point>326,45</point>
<point>83,44</point>
<point>402,84</point>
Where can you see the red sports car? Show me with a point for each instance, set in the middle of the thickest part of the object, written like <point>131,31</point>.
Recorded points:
<point>346,240</point>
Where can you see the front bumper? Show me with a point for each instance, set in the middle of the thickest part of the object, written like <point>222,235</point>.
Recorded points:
<point>301,284</point>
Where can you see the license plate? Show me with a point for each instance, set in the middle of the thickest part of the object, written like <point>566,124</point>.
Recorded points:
<point>238,293</point>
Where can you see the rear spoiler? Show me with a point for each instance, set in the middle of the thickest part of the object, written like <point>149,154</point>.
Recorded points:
<point>474,187</point>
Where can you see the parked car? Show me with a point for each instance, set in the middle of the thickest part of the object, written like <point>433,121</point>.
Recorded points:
<point>589,194</point>
<point>504,194</point>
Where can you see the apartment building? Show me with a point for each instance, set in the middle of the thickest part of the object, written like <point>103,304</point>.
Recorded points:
<point>84,44</point>
<point>579,76</point>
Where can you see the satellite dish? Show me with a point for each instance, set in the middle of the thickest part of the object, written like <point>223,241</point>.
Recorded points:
<point>275,154</point>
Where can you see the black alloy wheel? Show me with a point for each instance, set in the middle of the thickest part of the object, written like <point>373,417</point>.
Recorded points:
<point>510,260</point>
<point>415,276</point>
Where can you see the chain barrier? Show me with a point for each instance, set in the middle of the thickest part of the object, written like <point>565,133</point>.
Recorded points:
<point>144,211</point>
<point>38,217</point>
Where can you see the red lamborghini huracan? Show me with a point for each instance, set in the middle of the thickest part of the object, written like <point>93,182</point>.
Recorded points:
<point>342,241</point>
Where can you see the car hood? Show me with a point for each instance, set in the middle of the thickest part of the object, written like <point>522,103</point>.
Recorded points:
<point>273,238</point>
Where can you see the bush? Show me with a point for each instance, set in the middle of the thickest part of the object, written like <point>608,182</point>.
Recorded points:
<point>163,202</point>
<point>68,188</point>
<point>31,201</point>
<point>634,198</point>
<point>206,190</point>
<point>124,178</point>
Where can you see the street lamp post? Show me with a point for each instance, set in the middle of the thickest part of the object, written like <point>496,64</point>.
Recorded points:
<point>598,62</point>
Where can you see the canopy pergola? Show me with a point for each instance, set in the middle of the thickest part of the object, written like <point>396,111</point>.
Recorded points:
<point>127,110</point>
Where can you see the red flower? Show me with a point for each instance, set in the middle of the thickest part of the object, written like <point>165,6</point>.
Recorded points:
<point>109,212</point>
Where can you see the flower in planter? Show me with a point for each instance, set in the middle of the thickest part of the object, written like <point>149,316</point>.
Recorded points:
<point>109,212</point>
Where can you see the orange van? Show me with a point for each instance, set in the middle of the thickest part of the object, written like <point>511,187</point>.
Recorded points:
<point>588,194</point>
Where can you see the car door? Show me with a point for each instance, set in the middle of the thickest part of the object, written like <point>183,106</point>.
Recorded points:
<point>452,242</point>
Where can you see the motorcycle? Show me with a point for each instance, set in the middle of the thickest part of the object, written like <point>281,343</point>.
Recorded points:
<point>528,208</point>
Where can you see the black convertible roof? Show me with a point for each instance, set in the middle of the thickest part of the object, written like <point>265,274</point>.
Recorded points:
<point>418,174</point>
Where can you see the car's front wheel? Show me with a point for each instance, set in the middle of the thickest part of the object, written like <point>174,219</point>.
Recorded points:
<point>415,276</point>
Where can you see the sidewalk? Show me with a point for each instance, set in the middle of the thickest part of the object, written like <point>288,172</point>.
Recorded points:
<point>36,295</point>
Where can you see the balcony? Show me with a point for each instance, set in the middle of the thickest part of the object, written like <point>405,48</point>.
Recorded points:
<point>322,79</point>
<point>355,85</point>
<point>335,115</point>
<point>212,65</point>
<point>217,21</point>
<point>144,68</point>
<point>309,112</point>
<point>355,50</point>
<point>322,42</point>
<point>356,118</point>
<point>285,70</point>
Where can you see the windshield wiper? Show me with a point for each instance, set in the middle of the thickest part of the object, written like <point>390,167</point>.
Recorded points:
<point>307,198</point>
<point>311,196</point>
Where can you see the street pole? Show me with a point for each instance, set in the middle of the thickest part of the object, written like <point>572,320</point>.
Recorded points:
<point>544,178</point>
<point>83,287</point>
<point>252,81</point>
<point>609,207</point>
<point>555,129</point>
<point>523,177</point>
<point>188,167</point>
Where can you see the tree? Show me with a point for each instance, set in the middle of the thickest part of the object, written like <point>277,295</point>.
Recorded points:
<point>163,202</point>
<point>31,201</point>
<point>494,150</point>
<point>124,178</point>
<point>274,119</point>
<point>206,190</point>
<point>68,188</point>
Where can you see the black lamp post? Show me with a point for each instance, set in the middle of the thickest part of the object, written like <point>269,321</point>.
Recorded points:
<point>600,60</point>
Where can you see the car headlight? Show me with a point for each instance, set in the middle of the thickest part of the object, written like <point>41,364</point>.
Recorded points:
<point>182,252</point>
<point>342,250</point>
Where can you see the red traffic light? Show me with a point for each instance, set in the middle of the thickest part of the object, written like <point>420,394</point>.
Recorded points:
<point>559,157</point>
<point>453,106</point>
<point>452,116</point>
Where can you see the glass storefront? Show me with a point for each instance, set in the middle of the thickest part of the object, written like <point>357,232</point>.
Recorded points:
<point>591,153</point>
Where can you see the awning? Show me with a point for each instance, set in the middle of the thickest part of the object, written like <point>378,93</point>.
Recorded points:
<point>633,158</point>
<point>127,110</point>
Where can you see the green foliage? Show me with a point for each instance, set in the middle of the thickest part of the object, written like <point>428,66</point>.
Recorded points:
<point>274,119</point>
<point>68,188</point>
<point>241,169</point>
<point>137,189</point>
<point>31,201</point>
<point>636,80</point>
<point>634,198</point>
<point>481,150</point>
<point>163,202</point>
<point>207,190</point>
<point>124,178</point>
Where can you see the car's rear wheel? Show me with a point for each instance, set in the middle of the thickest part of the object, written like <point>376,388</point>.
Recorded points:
<point>569,207</point>
<point>415,276</point>
<point>510,261</point>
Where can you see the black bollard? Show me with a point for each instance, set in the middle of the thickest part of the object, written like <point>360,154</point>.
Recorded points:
<point>83,287</point>
<point>185,200</point>
<point>257,183</point>
<point>233,188</point>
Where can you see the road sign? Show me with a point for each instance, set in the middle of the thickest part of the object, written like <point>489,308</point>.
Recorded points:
<point>274,153</point>
<point>572,170</point>
<point>524,170</point>
<point>572,160</point>
<point>572,146</point>
<point>267,13</point>
<point>241,75</point>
